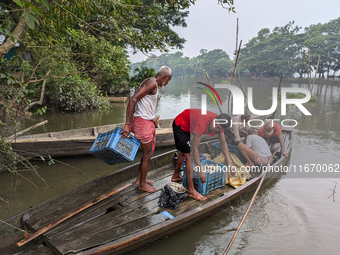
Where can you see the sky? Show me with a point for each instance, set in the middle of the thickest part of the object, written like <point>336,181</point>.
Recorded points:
<point>212,27</point>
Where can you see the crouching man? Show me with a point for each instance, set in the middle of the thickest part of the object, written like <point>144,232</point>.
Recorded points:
<point>256,150</point>
<point>191,121</point>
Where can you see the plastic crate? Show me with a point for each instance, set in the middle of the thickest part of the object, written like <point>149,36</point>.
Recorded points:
<point>216,150</point>
<point>112,149</point>
<point>213,180</point>
<point>183,165</point>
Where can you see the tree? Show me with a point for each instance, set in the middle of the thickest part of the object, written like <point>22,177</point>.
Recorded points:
<point>140,74</point>
<point>216,62</point>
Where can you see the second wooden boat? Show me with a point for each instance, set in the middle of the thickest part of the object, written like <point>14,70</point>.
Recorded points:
<point>78,142</point>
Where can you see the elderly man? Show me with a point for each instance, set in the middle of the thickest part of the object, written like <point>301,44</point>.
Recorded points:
<point>191,121</point>
<point>272,133</point>
<point>234,133</point>
<point>140,115</point>
<point>256,150</point>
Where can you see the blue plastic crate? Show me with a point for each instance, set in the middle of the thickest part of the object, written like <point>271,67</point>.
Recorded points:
<point>112,149</point>
<point>216,150</point>
<point>183,165</point>
<point>213,180</point>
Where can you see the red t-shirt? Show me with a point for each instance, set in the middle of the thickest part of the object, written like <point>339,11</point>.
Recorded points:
<point>192,121</point>
<point>276,128</point>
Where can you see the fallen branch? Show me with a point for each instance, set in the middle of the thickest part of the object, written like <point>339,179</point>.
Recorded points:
<point>12,137</point>
<point>41,94</point>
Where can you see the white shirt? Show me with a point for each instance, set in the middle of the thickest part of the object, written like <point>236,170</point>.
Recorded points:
<point>146,107</point>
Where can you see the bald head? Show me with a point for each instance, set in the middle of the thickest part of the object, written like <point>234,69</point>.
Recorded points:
<point>268,124</point>
<point>164,71</point>
<point>268,127</point>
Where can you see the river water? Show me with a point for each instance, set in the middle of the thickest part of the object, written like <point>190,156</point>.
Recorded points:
<point>295,214</point>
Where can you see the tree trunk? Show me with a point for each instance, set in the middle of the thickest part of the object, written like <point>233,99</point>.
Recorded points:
<point>8,44</point>
<point>41,95</point>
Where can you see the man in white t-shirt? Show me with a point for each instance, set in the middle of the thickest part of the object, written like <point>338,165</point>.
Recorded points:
<point>256,149</point>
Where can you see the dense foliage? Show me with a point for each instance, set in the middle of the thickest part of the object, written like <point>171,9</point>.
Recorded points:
<point>215,62</point>
<point>280,52</point>
<point>68,53</point>
<point>79,47</point>
<point>284,50</point>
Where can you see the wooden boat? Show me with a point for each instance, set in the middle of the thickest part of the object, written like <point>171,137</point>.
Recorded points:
<point>124,222</point>
<point>116,99</point>
<point>78,142</point>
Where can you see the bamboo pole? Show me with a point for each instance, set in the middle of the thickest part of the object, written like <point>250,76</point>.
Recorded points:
<point>244,91</point>
<point>230,99</point>
<point>69,215</point>
<point>278,93</point>
<point>236,34</point>
<point>219,107</point>
<point>316,71</point>
<point>251,203</point>
<point>236,59</point>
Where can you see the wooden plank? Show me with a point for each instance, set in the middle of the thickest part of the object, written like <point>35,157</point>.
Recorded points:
<point>8,247</point>
<point>105,219</point>
<point>105,222</point>
<point>190,203</point>
<point>106,206</point>
<point>146,236</point>
<point>158,184</point>
<point>64,206</point>
<point>88,240</point>
<point>101,208</point>
<point>71,214</point>
<point>69,203</point>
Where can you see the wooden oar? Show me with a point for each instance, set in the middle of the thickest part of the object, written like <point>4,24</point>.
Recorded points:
<point>69,215</point>
<point>251,203</point>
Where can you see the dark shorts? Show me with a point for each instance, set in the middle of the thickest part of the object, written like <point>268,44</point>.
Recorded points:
<point>182,139</point>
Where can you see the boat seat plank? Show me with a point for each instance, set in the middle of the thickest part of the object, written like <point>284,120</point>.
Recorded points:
<point>91,239</point>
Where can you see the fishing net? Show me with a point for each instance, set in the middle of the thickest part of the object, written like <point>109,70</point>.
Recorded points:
<point>171,196</point>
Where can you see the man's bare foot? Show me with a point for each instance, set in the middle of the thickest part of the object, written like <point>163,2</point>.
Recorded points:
<point>176,178</point>
<point>147,188</point>
<point>196,195</point>
<point>147,181</point>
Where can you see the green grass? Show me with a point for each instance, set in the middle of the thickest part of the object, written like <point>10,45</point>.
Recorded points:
<point>291,95</point>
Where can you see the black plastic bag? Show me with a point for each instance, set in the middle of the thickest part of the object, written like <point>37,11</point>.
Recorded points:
<point>170,199</point>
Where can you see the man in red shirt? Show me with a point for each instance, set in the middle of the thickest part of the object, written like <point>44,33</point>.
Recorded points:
<point>191,121</point>
<point>272,133</point>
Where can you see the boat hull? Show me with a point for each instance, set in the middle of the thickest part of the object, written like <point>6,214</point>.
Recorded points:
<point>189,212</point>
